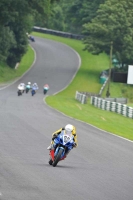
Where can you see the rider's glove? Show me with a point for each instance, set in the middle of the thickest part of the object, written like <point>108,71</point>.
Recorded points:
<point>74,144</point>
<point>54,136</point>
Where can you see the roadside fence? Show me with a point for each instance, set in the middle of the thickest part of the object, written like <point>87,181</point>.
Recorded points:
<point>83,96</point>
<point>119,108</point>
<point>58,33</point>
<point>103,86</point>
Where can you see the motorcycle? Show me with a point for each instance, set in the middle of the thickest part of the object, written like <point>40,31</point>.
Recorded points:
<point>33,92</point>
<point>32,38</point>
<point>63,143</point>
<point>45,91</point>
<point>20,90</point>
<point>45,88</point>
<point>27,89</point>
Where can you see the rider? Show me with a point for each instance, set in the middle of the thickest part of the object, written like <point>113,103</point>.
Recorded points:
<point>68,128</point>
<point>28,85</point>
<point>21,87</point>
<point>45,88</point>
<point>35,86</point>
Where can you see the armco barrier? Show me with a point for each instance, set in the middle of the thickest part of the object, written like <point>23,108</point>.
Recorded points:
<point>107,105</point>
<point>103,104</point>
<point>58,33</point>
<point>118,108</point>
<point>81,97</point>
<point>118,100</point>
<point>112,106</point>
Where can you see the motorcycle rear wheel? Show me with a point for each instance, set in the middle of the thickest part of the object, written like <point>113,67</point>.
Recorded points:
<point>19,93</point>
<point>27,90</point>
<point>57,158</point>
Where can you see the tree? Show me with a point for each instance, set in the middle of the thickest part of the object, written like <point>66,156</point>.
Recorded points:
<point>56,19</point>
<point>17,18</point>
<point>7,40</point>
<point>112,23</point>
<point>71,15</point>
<point>80,12</point>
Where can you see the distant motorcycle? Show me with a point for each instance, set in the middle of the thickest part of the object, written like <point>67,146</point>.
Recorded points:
<point>45,88</point>
<point>64,142</point>
<point>33,92</point>
<point>27,88</point>
<point>45,91</point>
<point>32,38</point>
<point>21,89</point>
<point>34,89</point>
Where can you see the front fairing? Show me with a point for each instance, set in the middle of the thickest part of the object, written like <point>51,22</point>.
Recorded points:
<point>34,88</point>
<point>64,140</point>
<point>45,88</point>
<point>20,87</point>
<point>27,86</point>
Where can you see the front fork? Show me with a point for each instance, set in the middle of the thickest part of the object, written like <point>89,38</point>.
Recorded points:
<point>57,149</point>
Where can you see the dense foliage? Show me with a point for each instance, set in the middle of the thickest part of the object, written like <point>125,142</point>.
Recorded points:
<point>113,23</point>
<point>100,21</point>
<point>17,18</point>
<point>71,15</point>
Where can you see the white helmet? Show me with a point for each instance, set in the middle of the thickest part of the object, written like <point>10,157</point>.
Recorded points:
<point>29,83</point>
<point>69,128</point>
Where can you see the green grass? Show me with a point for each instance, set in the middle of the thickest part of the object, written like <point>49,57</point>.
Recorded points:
<point>105,120</point>
<point>90,68</point>
<point>87,79</point>
<point>8,74</point>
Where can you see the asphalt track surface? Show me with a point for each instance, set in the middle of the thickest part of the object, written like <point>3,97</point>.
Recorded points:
<point>101,168</point>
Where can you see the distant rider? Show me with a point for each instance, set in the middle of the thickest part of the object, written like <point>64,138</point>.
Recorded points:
<point>68,129</point>
<point>35,86</point>
<point>45,88</point>
<point>21,87</point>
<point>28,85</point>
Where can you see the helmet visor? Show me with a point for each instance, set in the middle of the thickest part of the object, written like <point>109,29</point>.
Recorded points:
<point>68,132</point>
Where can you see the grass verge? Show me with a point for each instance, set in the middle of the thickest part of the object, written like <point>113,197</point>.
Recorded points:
<point>8,74</point>
<point>87,79</point>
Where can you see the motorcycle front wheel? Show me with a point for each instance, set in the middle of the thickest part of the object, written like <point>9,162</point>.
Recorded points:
<point>27,90</point>
<point>50,161</point>
<point>57,158</point>
<point>44,91</point>
<point>32,92</point>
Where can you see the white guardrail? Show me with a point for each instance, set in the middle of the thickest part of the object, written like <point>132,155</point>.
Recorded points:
<point>112,106</point>
<point>106,105</point>
<point>81,97</point>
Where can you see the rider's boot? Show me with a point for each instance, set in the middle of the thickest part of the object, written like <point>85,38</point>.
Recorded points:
<point>66,154</point>
<point>50,147</point>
